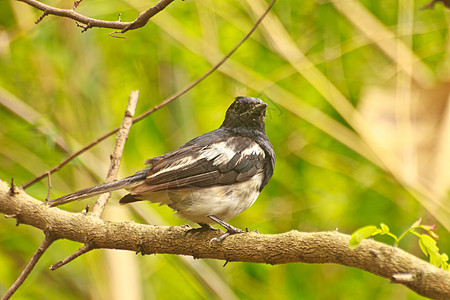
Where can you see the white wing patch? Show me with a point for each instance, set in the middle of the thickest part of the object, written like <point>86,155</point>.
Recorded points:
<point>221,153</point>
<point>255,149</point>
<point>188,160</point>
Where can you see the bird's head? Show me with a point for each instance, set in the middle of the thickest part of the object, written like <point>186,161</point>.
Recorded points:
<point>245,113</point>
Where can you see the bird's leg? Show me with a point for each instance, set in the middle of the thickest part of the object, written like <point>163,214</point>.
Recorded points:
<point>230,229</point>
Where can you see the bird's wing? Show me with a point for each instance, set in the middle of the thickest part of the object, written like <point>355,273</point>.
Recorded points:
<point>222,162</point>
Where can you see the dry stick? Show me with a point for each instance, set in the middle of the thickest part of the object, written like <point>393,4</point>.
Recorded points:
<point>29,267</point>
<point>157,107</point>
<point>49,186</point>
<point>76,3</point>
<point>86,248</point>
<point>100,204</point>
<point>140,21</point>
<point>122,136</point>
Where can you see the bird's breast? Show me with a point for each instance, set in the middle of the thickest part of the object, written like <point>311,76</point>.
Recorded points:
<point>224,202</point>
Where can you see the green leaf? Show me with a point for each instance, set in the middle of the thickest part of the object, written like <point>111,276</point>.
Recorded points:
<point>435,259</point>
<point>428,246</point>
<point>361,234</point>
<point>423,248</point>
<point>445,265</point>
<point>384,228</point>
<point>428,242</point>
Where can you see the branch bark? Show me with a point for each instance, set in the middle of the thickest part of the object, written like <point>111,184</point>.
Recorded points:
<point>293,246</point>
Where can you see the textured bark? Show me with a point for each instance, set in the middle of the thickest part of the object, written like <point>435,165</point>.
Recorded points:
<point>293,246</point>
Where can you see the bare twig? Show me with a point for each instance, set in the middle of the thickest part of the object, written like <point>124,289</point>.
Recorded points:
<point>41,17</point>
<point>49,186</point>
<point>13,189</point>
<point>86,248</point>
<point>122,136</point>
<point>143,18</point>
<point>157,107</point>
<point>140,21</point>
<point>76,3</point>
<point>29,267</point>
<point>293,246</point>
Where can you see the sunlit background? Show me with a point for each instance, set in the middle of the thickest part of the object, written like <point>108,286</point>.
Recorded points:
<point>358,114</point>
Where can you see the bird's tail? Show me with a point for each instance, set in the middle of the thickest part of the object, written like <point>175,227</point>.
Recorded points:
<point>125,183</point>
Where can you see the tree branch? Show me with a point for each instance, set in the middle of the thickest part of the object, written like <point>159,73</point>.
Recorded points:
<point>140,21</point>
<point>293,246</point>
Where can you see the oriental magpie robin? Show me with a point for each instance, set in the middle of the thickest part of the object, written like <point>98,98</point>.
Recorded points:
<point>212,178</point>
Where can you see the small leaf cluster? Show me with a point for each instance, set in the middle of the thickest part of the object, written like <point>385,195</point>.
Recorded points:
<point>427,241</point>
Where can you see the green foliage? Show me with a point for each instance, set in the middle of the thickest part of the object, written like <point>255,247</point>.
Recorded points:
<point>66,88</point>
<point>427,242</point>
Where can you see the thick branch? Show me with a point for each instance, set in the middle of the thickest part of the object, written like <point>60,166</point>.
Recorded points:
<point>140,21</point>
<point>293,246</point>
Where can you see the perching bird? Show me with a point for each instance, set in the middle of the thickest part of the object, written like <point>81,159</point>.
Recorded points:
<point>214,177</point>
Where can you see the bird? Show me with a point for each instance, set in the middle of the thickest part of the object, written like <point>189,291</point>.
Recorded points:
<point>210,179</point>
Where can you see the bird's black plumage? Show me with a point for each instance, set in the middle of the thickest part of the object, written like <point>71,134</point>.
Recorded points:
<point>218,174</point>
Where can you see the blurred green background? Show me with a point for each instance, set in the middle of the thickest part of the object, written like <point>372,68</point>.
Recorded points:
<point>358,115</point>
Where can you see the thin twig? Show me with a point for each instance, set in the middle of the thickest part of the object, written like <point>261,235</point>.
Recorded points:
<point>122,136</point>
<point>13,189</point>
<point>157,107</point>
<point>86,248</point>
<point>49,186</point>
<point>143,18</point>
<point>140,21</point>
<point>41,17</point>
<point>29,267</point>
<point>76,3</point>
